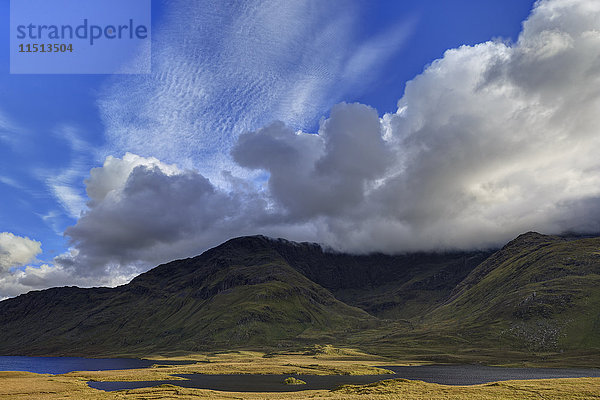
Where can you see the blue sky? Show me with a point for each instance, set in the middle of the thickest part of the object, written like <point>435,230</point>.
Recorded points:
<point>222,71</point>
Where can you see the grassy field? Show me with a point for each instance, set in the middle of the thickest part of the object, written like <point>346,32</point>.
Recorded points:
<point>320,360</point>
<point>21,385</point>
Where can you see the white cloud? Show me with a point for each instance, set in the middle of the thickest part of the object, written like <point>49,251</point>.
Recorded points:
<point>67,195</point>
<point>489,141</point>
<point>114,173</point>
<point>65,183</point>
<point>9,131</point>
<point>31,278</point>
<point>16,251</point>
<point>10,182</point>
<point>319,175</point>
<point>37,278</point>
<point>17,276</point>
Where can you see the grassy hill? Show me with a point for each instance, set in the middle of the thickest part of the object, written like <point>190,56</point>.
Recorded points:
<point>240,293</point>
<point>535,301</point>
<point>540,293</point>
<point>391,287</point>
<point>249,291</point>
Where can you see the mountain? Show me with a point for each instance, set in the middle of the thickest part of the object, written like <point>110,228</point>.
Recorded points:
<point>538,295</point>
<point>248,291</point>
<point>398,287</point>
<point>240,292</point>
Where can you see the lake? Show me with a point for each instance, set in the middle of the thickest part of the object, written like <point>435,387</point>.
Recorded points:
<point>477,374</point>
<point>443,374</point>
<point>62,365</point>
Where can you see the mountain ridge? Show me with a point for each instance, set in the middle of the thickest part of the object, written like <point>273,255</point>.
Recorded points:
<point>536,293</point>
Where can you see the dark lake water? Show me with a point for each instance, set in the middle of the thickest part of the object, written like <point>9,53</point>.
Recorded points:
<point>248,383</point>
<point>444,374</point>
<point>477,374</point>
<point>62,365</point>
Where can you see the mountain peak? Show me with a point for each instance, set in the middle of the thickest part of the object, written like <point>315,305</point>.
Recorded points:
<point>531,238</point>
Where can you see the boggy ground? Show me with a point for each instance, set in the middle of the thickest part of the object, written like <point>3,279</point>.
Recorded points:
<point>320,360</point>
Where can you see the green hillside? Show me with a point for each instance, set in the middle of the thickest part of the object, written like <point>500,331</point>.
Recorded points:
<point>538,293</point>
<point>536,299</point>
<point>392,287</point>
<point>227,297</point>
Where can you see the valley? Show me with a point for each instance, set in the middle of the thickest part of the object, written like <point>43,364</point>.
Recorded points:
<point>256,305</point>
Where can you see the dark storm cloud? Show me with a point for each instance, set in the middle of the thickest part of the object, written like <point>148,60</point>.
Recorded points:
<point>157,213</point>
<point>325,174</point>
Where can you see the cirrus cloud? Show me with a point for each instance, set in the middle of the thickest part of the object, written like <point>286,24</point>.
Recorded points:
<point>236,68</point>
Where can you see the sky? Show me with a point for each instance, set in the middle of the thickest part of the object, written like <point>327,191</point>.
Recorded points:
<point>367,126</point>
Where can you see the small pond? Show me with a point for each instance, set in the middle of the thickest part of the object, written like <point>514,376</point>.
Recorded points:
<point>443,374</point>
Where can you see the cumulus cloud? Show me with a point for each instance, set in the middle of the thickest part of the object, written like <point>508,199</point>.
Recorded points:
<point>32,278</point>
<point>16,251</point>
<point>142,212</point>
<point>17,276</point>
<point>325,174</point>
<point>23,280</point>
<point>115,172</point>
<point>489,141</point>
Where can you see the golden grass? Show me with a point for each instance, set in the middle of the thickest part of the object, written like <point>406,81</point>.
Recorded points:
<point>28,386</point>
<point>18,386</point>
<point>338,362</point>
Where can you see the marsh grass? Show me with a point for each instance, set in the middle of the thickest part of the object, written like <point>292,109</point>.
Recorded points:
<point>320,360</point>
<point>293,381</point>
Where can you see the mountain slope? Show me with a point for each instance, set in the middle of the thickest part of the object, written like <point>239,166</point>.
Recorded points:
<point>540,293</point>
<point>537,294</point>
<point>237,293</point>
<point>387,286</point>
<point>248,291</point>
